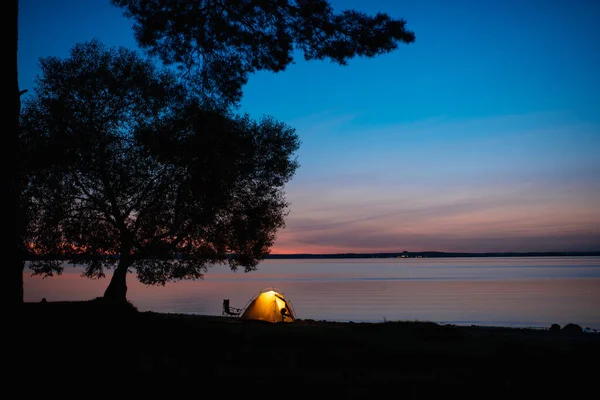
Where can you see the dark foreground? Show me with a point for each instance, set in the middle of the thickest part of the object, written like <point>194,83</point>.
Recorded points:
<point>88,347</point>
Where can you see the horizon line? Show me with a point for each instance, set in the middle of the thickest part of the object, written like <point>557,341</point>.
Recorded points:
<point>436,252</point>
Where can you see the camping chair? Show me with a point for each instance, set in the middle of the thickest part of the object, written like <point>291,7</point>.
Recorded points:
<point>230,311</point>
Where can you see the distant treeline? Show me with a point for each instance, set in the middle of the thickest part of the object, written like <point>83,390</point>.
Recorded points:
<point>405,254</point>
<point>436,254</point>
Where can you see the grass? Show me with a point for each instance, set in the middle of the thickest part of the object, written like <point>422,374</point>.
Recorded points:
<point>405,359</point>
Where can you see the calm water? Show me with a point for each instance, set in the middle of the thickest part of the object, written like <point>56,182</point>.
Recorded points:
<point>516,292</point>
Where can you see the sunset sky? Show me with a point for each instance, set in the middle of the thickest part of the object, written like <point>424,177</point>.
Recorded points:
<point>482,135</point>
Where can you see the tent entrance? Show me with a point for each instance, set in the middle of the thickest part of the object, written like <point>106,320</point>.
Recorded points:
<point>269,305</point>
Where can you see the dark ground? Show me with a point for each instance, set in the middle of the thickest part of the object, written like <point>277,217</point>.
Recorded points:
<point>87,347</point>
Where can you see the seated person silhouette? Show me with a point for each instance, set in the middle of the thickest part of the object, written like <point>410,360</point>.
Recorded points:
<point>284,313</point>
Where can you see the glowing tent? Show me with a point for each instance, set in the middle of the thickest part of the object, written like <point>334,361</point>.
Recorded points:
<point>269,305</point>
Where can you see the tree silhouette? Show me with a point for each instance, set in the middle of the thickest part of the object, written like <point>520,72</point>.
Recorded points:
<point>97,132</point>
<point>12,289</point>
<point>218,43</point>
<point>144,176</point>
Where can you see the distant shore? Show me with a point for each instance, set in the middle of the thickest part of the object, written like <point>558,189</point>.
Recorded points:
<point>436,254</point>
<point>399,255</point>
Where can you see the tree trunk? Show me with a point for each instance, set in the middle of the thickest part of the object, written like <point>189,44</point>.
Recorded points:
<point>116,292</point>
<point>14,283</point>
<point>13,288</point>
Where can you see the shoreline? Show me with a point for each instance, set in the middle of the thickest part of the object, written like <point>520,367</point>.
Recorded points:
<point>416,360</point>
<point>66,304</point>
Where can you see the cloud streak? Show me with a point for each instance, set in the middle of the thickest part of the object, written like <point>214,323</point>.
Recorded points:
<point>527,183</point>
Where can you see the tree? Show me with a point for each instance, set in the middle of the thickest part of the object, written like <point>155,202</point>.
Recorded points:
<point>218,43</point>
<point>149,178</point>
<point>12,289</point>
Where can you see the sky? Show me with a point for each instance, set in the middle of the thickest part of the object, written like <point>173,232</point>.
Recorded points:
<point>481,136</point>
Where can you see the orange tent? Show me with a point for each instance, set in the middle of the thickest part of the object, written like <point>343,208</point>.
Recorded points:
<point>269,305</point>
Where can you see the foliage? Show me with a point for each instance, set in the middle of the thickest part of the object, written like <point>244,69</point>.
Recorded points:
<point>142,172</point>
<point>218,43</point>
<point>128,163</point>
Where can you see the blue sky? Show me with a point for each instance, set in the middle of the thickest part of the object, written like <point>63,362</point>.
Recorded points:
<point>482,135</point>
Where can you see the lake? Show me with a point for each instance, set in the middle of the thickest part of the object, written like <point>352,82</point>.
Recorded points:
<point>513,291</point>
